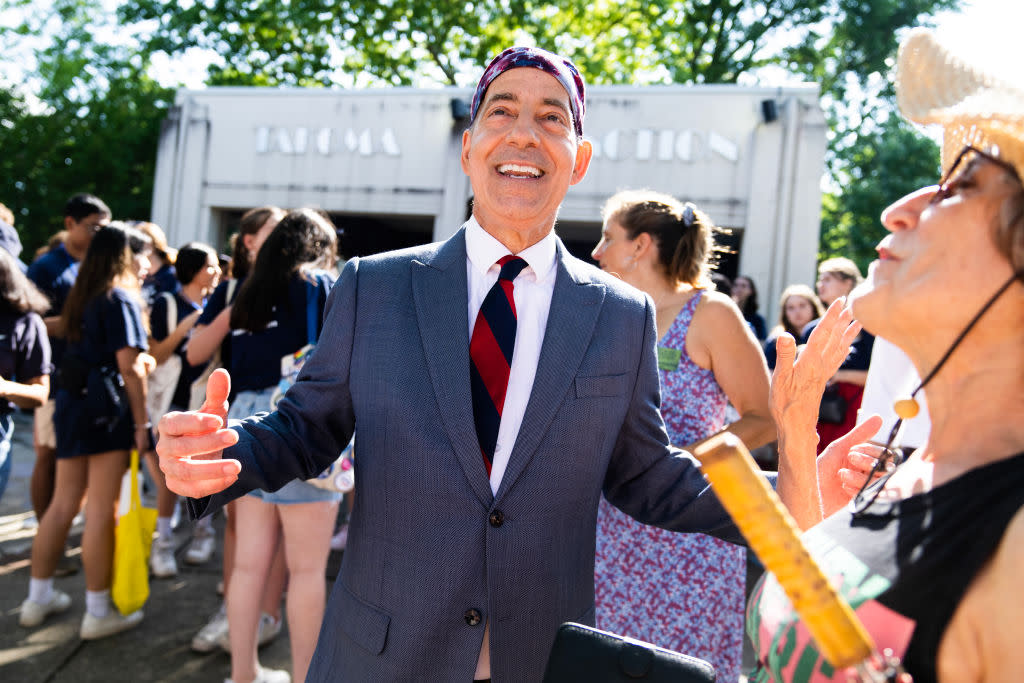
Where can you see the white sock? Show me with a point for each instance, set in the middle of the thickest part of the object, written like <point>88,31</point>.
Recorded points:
<point>97,603</point>
<point>163,528</point>
<point>40,590</point>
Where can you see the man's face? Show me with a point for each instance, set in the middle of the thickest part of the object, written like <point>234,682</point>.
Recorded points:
<point>80,232</point>
<point>521,155</point>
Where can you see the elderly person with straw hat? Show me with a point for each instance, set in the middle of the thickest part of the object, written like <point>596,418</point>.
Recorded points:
<point>930,556</point>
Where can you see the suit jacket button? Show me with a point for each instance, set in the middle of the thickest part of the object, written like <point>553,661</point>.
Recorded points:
<point>473,617</point>
<point>496,518</point>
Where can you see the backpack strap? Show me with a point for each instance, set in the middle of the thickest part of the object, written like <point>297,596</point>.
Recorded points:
<point>172,311</point>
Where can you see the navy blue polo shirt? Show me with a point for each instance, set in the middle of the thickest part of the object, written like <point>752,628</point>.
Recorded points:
<point>254,357</point>
<point>24,349</point>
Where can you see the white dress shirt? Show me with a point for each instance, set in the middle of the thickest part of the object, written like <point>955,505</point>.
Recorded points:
<point>532,291</point>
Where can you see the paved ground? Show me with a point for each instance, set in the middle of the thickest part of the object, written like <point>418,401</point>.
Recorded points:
<point>158,650</point>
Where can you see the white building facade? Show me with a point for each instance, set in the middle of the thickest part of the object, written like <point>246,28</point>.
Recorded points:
<point>385,165</point>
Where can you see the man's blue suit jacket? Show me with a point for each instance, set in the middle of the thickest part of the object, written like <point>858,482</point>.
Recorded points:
<point>428,542</point>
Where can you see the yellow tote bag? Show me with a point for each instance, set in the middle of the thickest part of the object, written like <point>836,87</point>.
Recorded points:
<point>130,587</point>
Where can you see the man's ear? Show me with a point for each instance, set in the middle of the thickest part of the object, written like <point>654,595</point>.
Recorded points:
<point>464,157</point>
<point>584,152</point>
<point>69,222</point>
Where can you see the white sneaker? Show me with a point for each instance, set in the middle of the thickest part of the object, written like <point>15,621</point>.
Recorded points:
<point>269,629</point>
<point>33,613</point>
<point>161,558</point>
<point>210,635</point>
<point>96,627</point>
<point>200,548</point>
<point>268,676</point>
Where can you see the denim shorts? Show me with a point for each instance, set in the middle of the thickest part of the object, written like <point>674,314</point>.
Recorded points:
<point>249,403</point>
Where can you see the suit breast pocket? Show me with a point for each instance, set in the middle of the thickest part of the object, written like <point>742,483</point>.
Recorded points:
<point>601,385</point>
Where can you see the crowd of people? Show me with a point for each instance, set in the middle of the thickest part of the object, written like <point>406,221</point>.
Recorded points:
<point>101,325</point>
<point>526,419</point>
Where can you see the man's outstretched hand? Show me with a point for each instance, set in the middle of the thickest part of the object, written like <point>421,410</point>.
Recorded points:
<point>191,444</point>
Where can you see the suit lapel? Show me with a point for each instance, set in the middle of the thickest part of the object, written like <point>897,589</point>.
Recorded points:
<point>440,292</point>
<point>575,305</point>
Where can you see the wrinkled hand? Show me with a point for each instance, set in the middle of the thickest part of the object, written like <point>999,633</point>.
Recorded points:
<point>191,444</point>
<point>798,382</point>
<point>846,464</point>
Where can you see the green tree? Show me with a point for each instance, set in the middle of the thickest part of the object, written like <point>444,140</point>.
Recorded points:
<point>878,168</point>
<point>91,124</point>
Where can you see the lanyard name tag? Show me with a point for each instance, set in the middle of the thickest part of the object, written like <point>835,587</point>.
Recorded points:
<point>668,359</point>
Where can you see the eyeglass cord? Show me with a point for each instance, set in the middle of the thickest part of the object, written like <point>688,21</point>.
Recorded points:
<point>862,502</point>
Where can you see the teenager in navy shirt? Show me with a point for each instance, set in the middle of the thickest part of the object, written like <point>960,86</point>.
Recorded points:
<point>24,353</point>
<point>101,416</point>
<point>54,274</point>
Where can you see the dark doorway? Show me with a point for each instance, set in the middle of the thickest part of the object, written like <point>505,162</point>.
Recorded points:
<point>363,235</point>
<point>358,235</point>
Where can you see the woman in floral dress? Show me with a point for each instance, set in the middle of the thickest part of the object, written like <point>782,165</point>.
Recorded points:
<point>684,592</point>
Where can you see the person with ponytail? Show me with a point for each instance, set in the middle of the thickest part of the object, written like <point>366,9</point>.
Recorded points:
<point>206,341</point>
<point>269,319</point>
<point>100,417</point>
<point>681,591</point>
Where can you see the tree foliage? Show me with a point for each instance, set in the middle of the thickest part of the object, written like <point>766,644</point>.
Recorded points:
<point>877,169</point>
<point>91,126</point>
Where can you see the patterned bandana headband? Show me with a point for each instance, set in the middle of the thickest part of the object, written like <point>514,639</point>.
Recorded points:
<point>559,67</point>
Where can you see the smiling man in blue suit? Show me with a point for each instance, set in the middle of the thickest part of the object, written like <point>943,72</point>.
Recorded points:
<point>498,386</point>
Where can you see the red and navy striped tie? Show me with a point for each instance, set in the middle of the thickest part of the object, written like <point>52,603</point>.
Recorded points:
<point>490,355</point>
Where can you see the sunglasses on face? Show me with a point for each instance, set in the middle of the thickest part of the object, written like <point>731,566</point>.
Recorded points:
<point>968,158</point>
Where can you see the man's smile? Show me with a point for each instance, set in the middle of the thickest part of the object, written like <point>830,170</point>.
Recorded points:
<point>519,171</point>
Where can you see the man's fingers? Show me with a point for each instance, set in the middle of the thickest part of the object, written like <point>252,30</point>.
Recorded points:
<point>201,488</point>
<point>188,424</point>
<point>183,446</point>
<point>218,387</point>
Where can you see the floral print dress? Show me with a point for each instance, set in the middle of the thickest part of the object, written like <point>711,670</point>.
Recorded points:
<point>684,592</point>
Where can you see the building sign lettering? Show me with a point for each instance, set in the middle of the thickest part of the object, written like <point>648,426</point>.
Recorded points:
<point>647,144</point>
<point>326,141</point>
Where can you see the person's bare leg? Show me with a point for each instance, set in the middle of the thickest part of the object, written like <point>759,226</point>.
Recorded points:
<point>307,531</point>
<point>277,580</point>
<point>104,487</point>
<point>54,525</point>
<point>228,560</point>
<point>43,480</point>
<point>165,498</point>
<point>257,541</point>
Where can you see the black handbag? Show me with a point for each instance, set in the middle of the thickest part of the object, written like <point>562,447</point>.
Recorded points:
<point>833,406</point>
<point>583,653</point>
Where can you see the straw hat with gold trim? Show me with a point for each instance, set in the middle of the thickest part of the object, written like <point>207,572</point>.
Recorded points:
<point>935,86</point>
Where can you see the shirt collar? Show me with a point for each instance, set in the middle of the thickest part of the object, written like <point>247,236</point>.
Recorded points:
<point>483,251</point>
